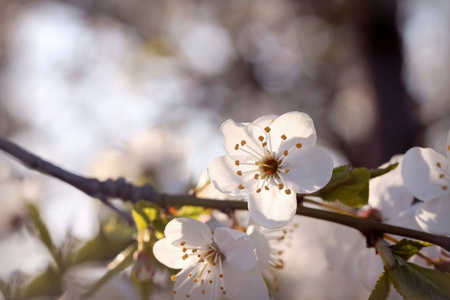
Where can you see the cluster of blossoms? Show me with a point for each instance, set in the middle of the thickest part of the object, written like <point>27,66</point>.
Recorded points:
<point>269,161</point>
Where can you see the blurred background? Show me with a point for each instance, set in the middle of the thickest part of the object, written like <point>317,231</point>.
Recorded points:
<point>138,88</point>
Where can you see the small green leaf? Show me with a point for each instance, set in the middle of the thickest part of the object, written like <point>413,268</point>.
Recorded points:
<point>378,172</point>
<point>140,219</point>
<point>383,287</point>
<point>122,261</point>
<point>189,211</point>
<point>48,283</point>
<point>416,283</point>
<point>44,234</point>
<point>350,187</point>
<point>405,249</point>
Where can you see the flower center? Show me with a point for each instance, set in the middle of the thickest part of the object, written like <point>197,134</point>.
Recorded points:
<point>269,166</point>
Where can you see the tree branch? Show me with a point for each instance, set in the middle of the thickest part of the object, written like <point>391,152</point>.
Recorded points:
<point>119,188</point>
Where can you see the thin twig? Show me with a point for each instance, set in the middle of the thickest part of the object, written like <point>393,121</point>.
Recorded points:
<point>121,189</point>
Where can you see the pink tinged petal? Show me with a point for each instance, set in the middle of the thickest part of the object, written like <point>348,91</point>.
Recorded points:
<point>237,247</point>
<point>292,125</point>
<point>310,169</point>
<point>181,231</point>
<point>388,193</point>
<point>230,178</point>
<point>241,140</point>
<point>245,285</point>
<point>272,208</point>
<point>426,173</point>
<point>433,216</point>
<point>169,255</point>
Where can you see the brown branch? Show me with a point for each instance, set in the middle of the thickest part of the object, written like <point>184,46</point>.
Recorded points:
<point>119,188</point>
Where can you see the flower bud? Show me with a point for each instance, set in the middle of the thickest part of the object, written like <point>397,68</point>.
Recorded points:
<point>144,265</point>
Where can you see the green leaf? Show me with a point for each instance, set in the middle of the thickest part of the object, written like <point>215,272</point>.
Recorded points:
<point>48,283</point>
<point>383,287</point>
<point>189,211</point>
<point>122,261</point>
<point>350,187</point>
<point>378,172</point>
<point>144,287</point>
<point>140,219</point>
<point>44,234</point>
<point>416,283</point>
<point>405,249</point>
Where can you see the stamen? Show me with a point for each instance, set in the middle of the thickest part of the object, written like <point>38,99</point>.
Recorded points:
<point>237,162</point>
<point>285,152</point>
<point>243,142</point>
<point>444,187</point>
<point>264,144</point>
<point>280,186</point>
<point>283,137</point>
<point>266,188</point>
<point>241,187</point>
<point>173,277</point>
<point>239,173</point>
<point>267,129</point>
<point>182,244</point>
<point>287,171</point>
<point>438,165</point>
<point>298,145</point>
<point>258,190</point>
<point>236,147</point>
<point>288,192</point>
<point>261,138</point>
<point>256,176</point>
<point>448,147</point>
<point>441,176</point>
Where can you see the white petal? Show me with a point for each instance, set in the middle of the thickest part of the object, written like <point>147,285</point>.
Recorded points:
<point>245,285</point>
<point>425,173</point>
<point>293,125</point>
<point>387,193</point>
<point>265,121</point>
<point>223,174</point>
<point>433,216</point>
<point>272,208</point>
<point>169,255</point>
<point>262,246</point>
<point>237,246</point>
<point>234,133</point>
<point>310,169</point>
<point>184,285</point>
<point>190,231</point>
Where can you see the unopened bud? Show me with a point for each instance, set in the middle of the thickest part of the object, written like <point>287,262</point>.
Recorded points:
<point>144,266</point>
<point>385,254</point>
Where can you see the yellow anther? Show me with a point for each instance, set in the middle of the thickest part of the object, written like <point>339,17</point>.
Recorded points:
<point>287,171</point>
<point>280,186</point>
<point>438,165</point>
<point>188,296</point>
<point>174,292</point>
<point>184,249</point>
<point>184,257</point>
<point>266,188</point>
<point>173,277</point>
<point>203,291</point>
<point>190,275</point>
<point>285,152</point>
<point>237,162</point>
<point>298,145</point>
<point>194,250</point>
<point>444,187</point>
<point>261,138</point>
<point>264,144</point>
<point>267,129</point>
<point>243,142</point>
<point>241,187</point>
<point>239,173</point>
<point>256,176</point>
<point>258,190</point>
<point>195,279</point>
<point>448,147</point>
<point>236,147</point>
<point>210,281</point>
<point>441,176</point>
<point>182,243</point>
<point>224,292</point>
<point>283,137</point>
<point>288,192</point>
<point>221,275</point>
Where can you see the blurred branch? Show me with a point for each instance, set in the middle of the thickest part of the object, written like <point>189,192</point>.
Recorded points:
<point>119,188</point>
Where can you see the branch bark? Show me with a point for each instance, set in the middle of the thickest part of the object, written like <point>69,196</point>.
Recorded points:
<point>120,188</point>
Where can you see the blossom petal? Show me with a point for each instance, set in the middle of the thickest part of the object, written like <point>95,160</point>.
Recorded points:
<point>245,285</point>
<point>265,121</point>
<point>388,193</point>
<point>189,231</point>
<point>223,173</point>
<point>262,246</point>
<point>237,247</point>
<point>432,216</point>
<point>241,139</point>
<point>293,125</point>
<point>169,255</point>
<point>425,173</point>
<point>310,169</point>
<point>272,208</point>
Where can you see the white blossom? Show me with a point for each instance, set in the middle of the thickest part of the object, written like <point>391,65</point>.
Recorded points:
<point>271,162</point>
